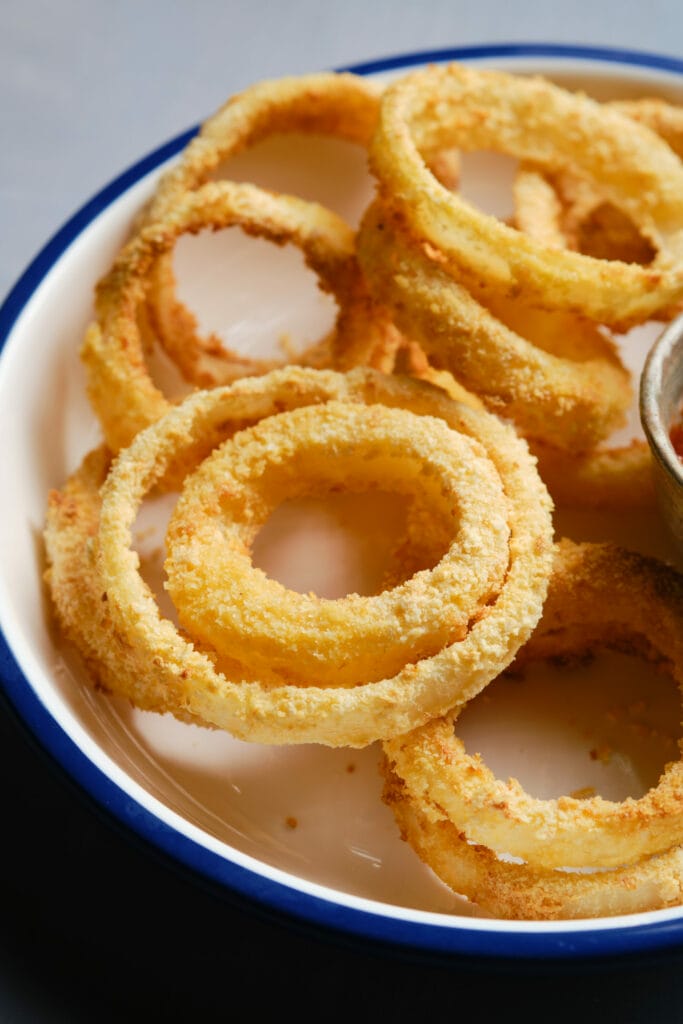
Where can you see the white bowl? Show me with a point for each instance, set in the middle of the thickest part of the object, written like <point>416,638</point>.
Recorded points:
<point>294,830</point>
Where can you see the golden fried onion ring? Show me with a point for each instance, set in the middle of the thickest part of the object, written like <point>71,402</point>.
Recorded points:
<point>537,207</point>
<point>536,121</point>
<point>509,890</point>
<point>133,646</point>
<point>79,603</point>
<point>566,386</point>
<point>567,211</point>
<point>600,595</point>
<point>660,116</point>
<point>228,604</point>
<point>120,388</point>
<point>341,105</point>
<point>337,104</point>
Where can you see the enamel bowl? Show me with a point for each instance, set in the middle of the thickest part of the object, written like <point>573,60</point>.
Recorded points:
<point>302,831</point>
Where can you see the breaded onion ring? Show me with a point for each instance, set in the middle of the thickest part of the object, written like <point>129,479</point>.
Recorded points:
<point>80,605</point>
<point>120,388</point>
<point>536,121</point>
<point>537,206</point>
<point>339,105</point>
<point>561,382</point>
<point>567,211</point>
<point>135,646</point>
<point>600,596</point>
<point>509,890</point>
<point>227,603</point>
<point>666,119</point>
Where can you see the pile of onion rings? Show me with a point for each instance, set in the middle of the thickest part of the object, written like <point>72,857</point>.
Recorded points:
<point>465,285</point>
<point>533,120</point>
<point>564,210</point>
<point>570,211</point>
<point>566,385</point>
<point>474,368</point>
<point>136,300</point>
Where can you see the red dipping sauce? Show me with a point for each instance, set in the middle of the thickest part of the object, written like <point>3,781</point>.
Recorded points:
<point>676,435</point>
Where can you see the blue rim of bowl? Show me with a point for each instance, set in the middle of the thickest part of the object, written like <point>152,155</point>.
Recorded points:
<point>556,942</point>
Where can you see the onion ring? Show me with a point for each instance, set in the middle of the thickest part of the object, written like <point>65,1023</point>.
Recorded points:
<point>505,889</point>
<point>600,595</point>
<point>136,643</point>
<point>666,119</point>
<point>537,206</point>
<point>342,105</point>
<point>121,390</point>
<point>338,104</point>
<point>572,397</point>
<point>565,211</point>
<point>231,606</point>
<point>535,121</point>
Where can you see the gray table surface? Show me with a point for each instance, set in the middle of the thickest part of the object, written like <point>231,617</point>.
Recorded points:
<point>86,88</point>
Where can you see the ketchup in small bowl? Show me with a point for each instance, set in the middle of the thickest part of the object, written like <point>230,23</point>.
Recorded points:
<point>661,414</point>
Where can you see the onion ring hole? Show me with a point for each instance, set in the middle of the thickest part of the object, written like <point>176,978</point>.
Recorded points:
<point>331,545</point>
<point>486,180</point>
<point>243,294</point>
<point>604,724</point>
<point>338,544</point>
